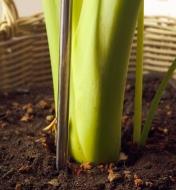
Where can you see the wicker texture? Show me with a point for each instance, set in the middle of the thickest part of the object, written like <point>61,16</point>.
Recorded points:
<point>24,55</point>
<point>159,44</point>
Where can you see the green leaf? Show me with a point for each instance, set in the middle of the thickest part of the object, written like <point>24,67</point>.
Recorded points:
<point>139,76</point>
<point>51,12</point>
<point>155,102</point>
<point>99,63</point>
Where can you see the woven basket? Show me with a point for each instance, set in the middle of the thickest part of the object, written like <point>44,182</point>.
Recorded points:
<point>24,55</point>
<point>159,45</point>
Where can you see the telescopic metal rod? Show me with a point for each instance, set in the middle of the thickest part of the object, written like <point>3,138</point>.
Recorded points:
<point>62,136</point>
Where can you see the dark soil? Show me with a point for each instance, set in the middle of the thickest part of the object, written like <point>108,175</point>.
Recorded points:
<point>27,157</point>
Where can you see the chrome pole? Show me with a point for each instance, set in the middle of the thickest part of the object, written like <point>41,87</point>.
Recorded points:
<point>62,136</point>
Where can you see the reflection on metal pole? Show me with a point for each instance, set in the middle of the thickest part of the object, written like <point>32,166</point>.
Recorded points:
<point>64,80</point>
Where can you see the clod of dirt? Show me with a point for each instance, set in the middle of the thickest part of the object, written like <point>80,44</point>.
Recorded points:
<point>26,107</point>
<point>9,173</point>
<point>86,166</point>
<point>43,104</point>
<point>54,182</point>
<point>127,174</point>
<point>113,176</point>
<point>49,118</point>
<point>123,157</point>
<point>3,125</point>
<point>24,169</point>
<point>138,181</point>
<point>26,118</point>
<point>101,167</point>
<point>149,184</point>
<point>18,186</point>
<point>15,105</point>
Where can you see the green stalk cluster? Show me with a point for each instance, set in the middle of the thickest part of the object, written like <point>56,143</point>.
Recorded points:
<point>102,32</point>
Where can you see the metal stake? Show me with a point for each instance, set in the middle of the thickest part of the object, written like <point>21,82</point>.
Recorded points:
<point>64,80</point>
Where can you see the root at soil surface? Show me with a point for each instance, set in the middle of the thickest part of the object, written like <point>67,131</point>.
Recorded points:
<point>51,128</point>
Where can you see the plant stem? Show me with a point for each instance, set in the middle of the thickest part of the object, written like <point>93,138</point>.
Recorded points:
<point>155,103</point>
<point>139,76</point>
<point>99,67</point>
<point>101,41</point>
<point>51,14</point>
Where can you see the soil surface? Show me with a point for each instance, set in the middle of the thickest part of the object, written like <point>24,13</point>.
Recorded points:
<point>27,155</point>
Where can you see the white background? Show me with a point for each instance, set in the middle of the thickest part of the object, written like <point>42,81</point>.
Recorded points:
<point>28,7</point>
<point>152,7</point>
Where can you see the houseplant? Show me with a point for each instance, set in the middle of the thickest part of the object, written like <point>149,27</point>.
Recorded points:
<point>101,40</point>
